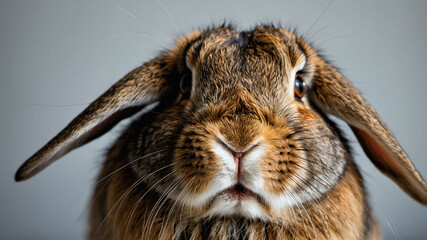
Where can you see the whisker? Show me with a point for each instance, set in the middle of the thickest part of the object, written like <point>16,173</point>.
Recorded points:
<point>159,204</point>
<point>125,11</point>
<point>143,34</point>
<point>295,200</point>
<point>127,164</point>
<point>389,222</point>
<point>305,210</point>
<point>337,37</point>
<point>129,218</point>
<point>136,183</point>
<point>90,186</point>
<point>170,15</point>
<point>317,204</point>
<point>175,202</point>
<point>317,32</point>
<point>318,18</point>
<point>59,105</point>
<point>157,207</point>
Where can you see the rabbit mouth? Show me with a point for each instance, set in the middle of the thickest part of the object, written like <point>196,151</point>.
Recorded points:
<point>239,192</point>
<point>238,200</point>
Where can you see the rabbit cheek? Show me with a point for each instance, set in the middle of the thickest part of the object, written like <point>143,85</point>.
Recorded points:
<point>195,165</point>
<point>301,165</point>
<point>282,168</point>
<point>281,172</point>
<point>320,154</point>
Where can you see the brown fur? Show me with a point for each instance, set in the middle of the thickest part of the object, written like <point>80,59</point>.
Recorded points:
<point>340,214</point>
<point>167,175</point>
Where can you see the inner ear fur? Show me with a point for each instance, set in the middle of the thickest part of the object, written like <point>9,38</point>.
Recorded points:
<point>334,94</point>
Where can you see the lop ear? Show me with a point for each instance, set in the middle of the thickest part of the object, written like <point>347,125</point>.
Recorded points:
<point>140,87</point>
<point>336,95</point>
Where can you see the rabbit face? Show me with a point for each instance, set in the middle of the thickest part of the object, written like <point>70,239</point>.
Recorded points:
<point>244,144</point>
<point>234,134</point>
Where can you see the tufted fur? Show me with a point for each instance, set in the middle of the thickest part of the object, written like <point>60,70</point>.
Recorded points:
<point>180,170</point>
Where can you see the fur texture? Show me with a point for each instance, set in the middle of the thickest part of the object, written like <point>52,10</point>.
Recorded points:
<point>240,155</point>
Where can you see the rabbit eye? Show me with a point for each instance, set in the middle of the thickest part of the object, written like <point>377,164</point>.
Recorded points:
<point>185,85</point>
<point>299,87</point>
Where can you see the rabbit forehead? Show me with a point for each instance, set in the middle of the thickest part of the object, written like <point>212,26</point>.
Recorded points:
<point>263,54</point>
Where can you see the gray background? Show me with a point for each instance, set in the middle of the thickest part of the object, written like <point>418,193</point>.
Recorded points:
<point>57,56</point>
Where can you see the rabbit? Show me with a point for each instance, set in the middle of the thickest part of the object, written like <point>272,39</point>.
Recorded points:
<point>232,140</point>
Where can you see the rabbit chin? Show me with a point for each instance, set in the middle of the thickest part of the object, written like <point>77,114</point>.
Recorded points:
<point>224,205</point>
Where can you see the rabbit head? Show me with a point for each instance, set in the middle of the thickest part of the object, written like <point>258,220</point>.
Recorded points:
<point>240,128</point>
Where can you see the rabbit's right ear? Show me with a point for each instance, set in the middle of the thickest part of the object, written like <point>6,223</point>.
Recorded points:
<point>336,95</point>
<point>142,86</point>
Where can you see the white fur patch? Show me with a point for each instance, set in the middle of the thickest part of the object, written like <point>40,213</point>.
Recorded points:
<point>226,206</point>
<point>251,178</point>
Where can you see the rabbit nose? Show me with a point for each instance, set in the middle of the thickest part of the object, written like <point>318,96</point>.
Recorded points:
<point>238,155</point>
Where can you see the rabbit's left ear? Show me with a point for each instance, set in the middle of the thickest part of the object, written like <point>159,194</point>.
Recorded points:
<point>142,86</point>
<point>336,95</point>
<point>149,83</point>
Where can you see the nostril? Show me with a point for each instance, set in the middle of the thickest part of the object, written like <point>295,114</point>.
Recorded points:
<point>238,154</point>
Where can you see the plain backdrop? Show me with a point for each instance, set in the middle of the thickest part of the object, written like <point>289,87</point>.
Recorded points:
<point>58,56</point>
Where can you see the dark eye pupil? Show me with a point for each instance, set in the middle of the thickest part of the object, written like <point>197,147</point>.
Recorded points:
<point>185,85</point>
<point>300,87</point>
